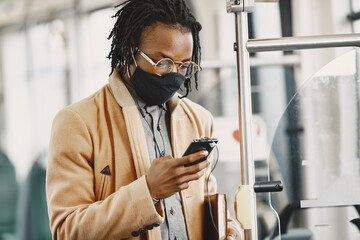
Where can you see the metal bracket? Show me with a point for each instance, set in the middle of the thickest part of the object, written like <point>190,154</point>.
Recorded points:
<point>272,186</point>
<point>234,6</point>
<point>353,16</point>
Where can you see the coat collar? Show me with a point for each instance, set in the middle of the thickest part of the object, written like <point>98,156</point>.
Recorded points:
<point>119,90</point>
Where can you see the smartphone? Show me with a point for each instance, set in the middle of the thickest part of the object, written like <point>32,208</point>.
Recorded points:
<point>199,145</point>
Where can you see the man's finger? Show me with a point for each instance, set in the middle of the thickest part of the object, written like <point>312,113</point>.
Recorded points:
<point>195,176</point>
<point>196,167</point>
<point>191,158</point>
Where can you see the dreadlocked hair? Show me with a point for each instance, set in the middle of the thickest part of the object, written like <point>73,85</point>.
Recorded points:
<point>135,15</point>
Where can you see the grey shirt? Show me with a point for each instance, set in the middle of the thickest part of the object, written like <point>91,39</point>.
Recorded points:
<point>156,123</point>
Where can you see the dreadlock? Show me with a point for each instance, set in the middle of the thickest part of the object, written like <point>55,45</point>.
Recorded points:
<point>135,15</point>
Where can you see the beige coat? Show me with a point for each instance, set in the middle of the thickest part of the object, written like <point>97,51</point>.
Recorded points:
<point>103,130</point>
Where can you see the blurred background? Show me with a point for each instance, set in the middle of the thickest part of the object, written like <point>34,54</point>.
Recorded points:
<point>53,53</point>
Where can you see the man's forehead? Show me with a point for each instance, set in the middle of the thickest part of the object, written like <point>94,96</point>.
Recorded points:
<point>160,29</point>
<point>167,40</point>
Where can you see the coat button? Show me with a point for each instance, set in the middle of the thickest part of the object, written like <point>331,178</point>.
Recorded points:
<point>149,227</point>
<point>172,211</point>
<point>142,231</point>
<point>135,234</point>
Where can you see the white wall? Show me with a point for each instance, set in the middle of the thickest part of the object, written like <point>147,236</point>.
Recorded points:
<point>320,17</point>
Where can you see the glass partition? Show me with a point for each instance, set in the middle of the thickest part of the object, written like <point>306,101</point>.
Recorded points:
<point>315,153</point>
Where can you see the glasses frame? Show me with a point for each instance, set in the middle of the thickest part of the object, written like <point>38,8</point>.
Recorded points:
<point>179,64</point>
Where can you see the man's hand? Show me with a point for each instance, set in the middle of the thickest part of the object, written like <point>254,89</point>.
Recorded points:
<point>167,176</point>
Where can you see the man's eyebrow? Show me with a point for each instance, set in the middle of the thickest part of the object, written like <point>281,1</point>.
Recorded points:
<point>165,56</point>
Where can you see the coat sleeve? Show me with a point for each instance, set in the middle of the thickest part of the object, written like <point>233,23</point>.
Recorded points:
<point>73,211</point>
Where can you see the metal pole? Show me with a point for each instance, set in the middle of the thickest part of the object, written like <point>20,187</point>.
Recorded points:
<point>245,113</point>
<point>351,12</point>
<point>307,42</point>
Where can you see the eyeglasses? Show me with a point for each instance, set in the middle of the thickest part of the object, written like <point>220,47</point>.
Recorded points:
<point>166,65</point>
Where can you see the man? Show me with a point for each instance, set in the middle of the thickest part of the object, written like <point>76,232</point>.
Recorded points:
<point>115,167</point>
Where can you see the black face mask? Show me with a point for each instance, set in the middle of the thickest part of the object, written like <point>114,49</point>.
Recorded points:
<point>154,89</point>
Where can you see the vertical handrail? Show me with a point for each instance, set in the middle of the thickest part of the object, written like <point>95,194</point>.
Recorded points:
<point>245,114</point>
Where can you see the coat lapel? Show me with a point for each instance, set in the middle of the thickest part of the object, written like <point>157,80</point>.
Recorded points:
<point>183,131</point>
<point>134,127</point>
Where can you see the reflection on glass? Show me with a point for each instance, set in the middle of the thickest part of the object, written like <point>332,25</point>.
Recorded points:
<point>316,151</point>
